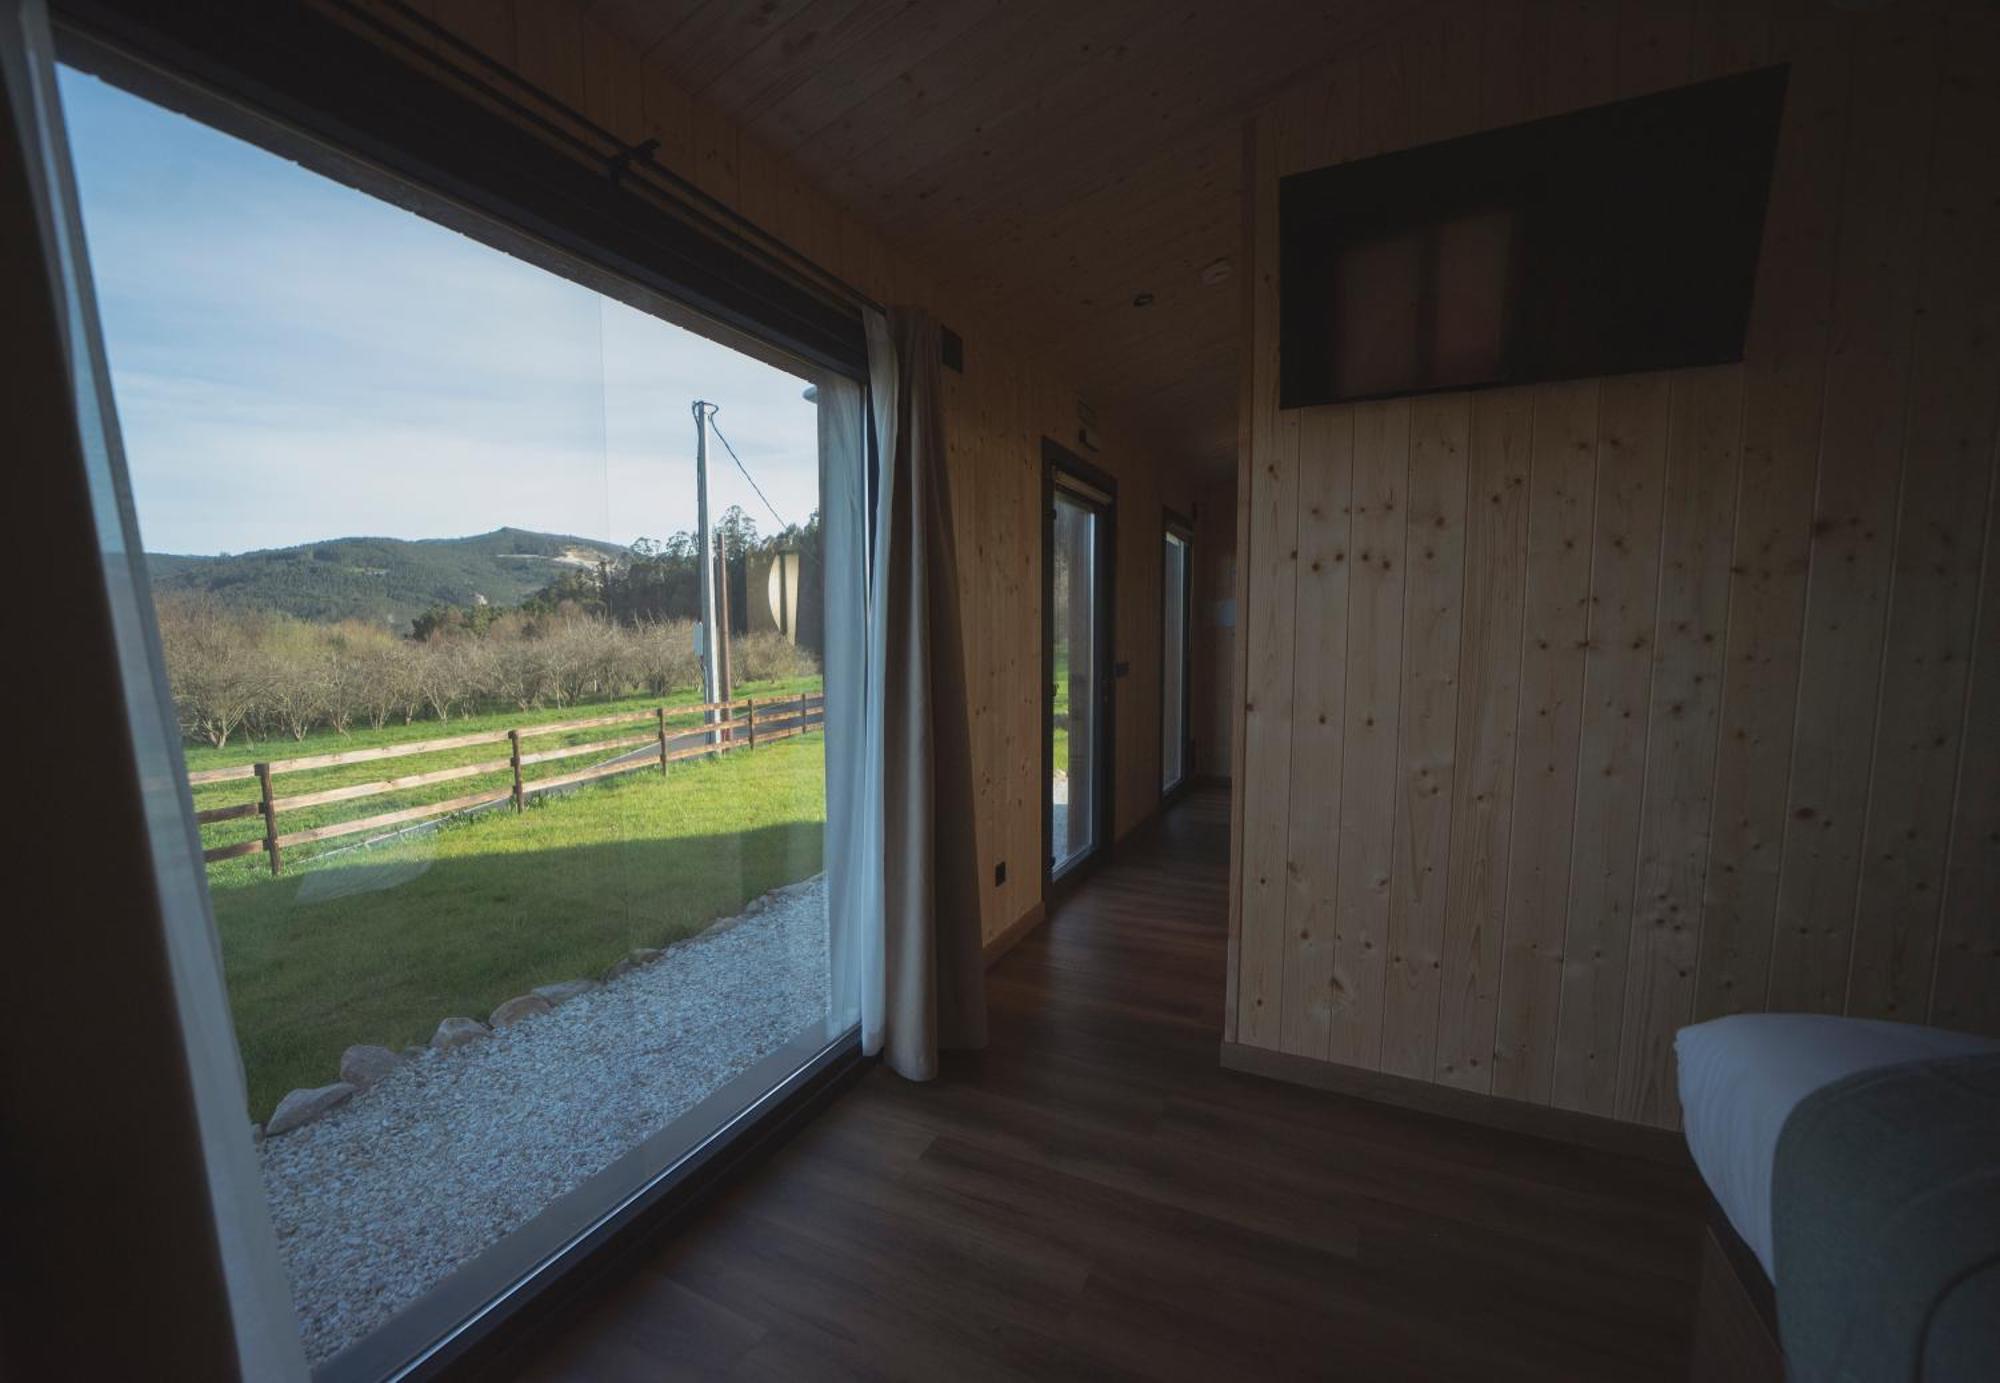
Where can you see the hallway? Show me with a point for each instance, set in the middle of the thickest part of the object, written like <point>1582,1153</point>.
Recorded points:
<point>1094,1195</point>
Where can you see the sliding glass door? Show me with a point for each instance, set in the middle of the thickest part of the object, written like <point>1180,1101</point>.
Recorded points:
<point>1077,545</point>
<point>495,624</point>
<point>1176,609</point>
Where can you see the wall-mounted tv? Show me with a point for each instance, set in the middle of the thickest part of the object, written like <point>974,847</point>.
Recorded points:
<point>1620,238</point>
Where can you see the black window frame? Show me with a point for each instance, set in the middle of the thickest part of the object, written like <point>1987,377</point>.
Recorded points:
<point>1058,881</point>
<point>339,101</point>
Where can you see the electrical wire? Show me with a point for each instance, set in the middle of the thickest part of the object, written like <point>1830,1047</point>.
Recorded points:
<point>746,472</point>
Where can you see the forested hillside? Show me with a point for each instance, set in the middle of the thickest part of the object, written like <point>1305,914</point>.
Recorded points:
<point>362,630</point>
<point>386,581</point>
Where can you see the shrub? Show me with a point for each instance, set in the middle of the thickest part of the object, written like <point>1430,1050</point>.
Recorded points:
<point>264,674</point>
<point>663,656</point>
<point>769,657</point>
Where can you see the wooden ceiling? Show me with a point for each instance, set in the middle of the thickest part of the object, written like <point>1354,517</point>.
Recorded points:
<point>1049,160</point>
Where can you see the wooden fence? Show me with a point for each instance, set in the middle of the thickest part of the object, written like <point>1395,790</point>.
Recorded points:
<point>740,724</point>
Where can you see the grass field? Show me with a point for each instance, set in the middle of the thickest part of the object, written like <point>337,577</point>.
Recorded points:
<point>243,750</point>
<point>222,794</point>
<point>379,945</point>
<point>1059,718</point>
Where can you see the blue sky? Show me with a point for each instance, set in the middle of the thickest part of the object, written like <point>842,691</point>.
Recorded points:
<point>295,360</point>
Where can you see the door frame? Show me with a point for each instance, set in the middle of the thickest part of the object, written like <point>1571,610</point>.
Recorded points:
<point>1058,460</point>
<point>1178,525</point>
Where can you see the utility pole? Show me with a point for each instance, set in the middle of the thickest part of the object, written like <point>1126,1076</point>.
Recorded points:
<point>726,684</point>
<point>711,661</point>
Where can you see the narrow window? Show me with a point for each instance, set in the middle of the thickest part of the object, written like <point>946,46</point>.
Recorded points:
<point>1077,537</point>
<point>1175,610</point>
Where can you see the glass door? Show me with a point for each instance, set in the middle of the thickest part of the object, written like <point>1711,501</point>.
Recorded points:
<point>1175,605</point>
<point>1077,601</point>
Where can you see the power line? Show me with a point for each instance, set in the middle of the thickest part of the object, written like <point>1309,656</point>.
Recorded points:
<point>746,472</point>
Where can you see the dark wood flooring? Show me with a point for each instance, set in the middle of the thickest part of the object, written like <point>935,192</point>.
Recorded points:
<point>1094,1196</point>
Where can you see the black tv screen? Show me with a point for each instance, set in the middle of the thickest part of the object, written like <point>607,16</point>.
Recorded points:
<point>1615,239</point>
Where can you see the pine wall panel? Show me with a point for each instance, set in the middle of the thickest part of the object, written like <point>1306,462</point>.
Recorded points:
<point>1635,701</point>
<point>997,413</point>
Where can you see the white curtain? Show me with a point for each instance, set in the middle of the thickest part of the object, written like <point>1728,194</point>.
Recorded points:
<point>929,993</point>
<point>853,717</point>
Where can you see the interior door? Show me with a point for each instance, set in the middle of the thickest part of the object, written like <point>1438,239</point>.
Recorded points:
<point>1077,661</point>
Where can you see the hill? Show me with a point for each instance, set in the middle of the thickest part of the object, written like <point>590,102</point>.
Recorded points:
<point>382,580</point>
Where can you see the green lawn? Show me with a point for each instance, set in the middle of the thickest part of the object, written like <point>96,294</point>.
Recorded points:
<point>1059,717</point>
<point>378,945</point>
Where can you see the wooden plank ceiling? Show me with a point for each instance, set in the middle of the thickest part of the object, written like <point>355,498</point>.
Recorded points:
<point>1049,160</point>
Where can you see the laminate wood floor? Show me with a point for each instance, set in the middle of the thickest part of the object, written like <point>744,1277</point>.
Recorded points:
<point>1093,1196</point>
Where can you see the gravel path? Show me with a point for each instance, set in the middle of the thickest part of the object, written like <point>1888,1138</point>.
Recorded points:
<point>381,1199</point>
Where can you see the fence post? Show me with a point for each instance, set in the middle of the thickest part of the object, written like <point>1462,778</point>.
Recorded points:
<point>750,718</point>
<point>270,809</point>
<point>660,714</point>
<point>514,760</point>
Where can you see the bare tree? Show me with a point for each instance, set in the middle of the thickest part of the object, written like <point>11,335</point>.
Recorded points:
<point>379,664</point>
<point>440,674</point>
<point>519,672</point>
<point>235,672</point>
<point>348,694</point>
<point>410,681</point>
<point>663,657</point>
<point>569,654</point>
<point>212,669</point>
<point>298,664</point>
<point>603,657</point>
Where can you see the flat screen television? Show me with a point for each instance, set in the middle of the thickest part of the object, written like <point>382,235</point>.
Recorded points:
<point>1620,238</point>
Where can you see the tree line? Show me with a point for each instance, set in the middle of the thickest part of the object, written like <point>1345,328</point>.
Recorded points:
<point>660,582</point>
<point>589,635</point>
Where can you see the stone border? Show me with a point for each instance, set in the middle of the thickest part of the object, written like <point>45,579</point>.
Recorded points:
<point>364,1065</point>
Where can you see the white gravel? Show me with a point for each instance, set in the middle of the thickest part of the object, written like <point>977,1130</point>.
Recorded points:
<point>378,1201</point>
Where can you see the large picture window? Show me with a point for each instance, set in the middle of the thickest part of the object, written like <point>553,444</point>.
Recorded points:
<point>494,618</point>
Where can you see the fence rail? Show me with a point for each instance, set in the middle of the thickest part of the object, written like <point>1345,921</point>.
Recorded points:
<point>740,724</point>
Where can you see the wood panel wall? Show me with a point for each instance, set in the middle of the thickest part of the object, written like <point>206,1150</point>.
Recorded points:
<point>997,412</point>
<point>1575,713</point>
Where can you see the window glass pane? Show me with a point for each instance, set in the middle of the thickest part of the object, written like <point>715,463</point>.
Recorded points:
<point>1073,698</point>
<point>1173,656</point>
<point>509,919</point>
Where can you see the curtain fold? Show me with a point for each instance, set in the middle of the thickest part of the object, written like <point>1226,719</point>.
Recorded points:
<point>853,717</point>
<point>933,992</point>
